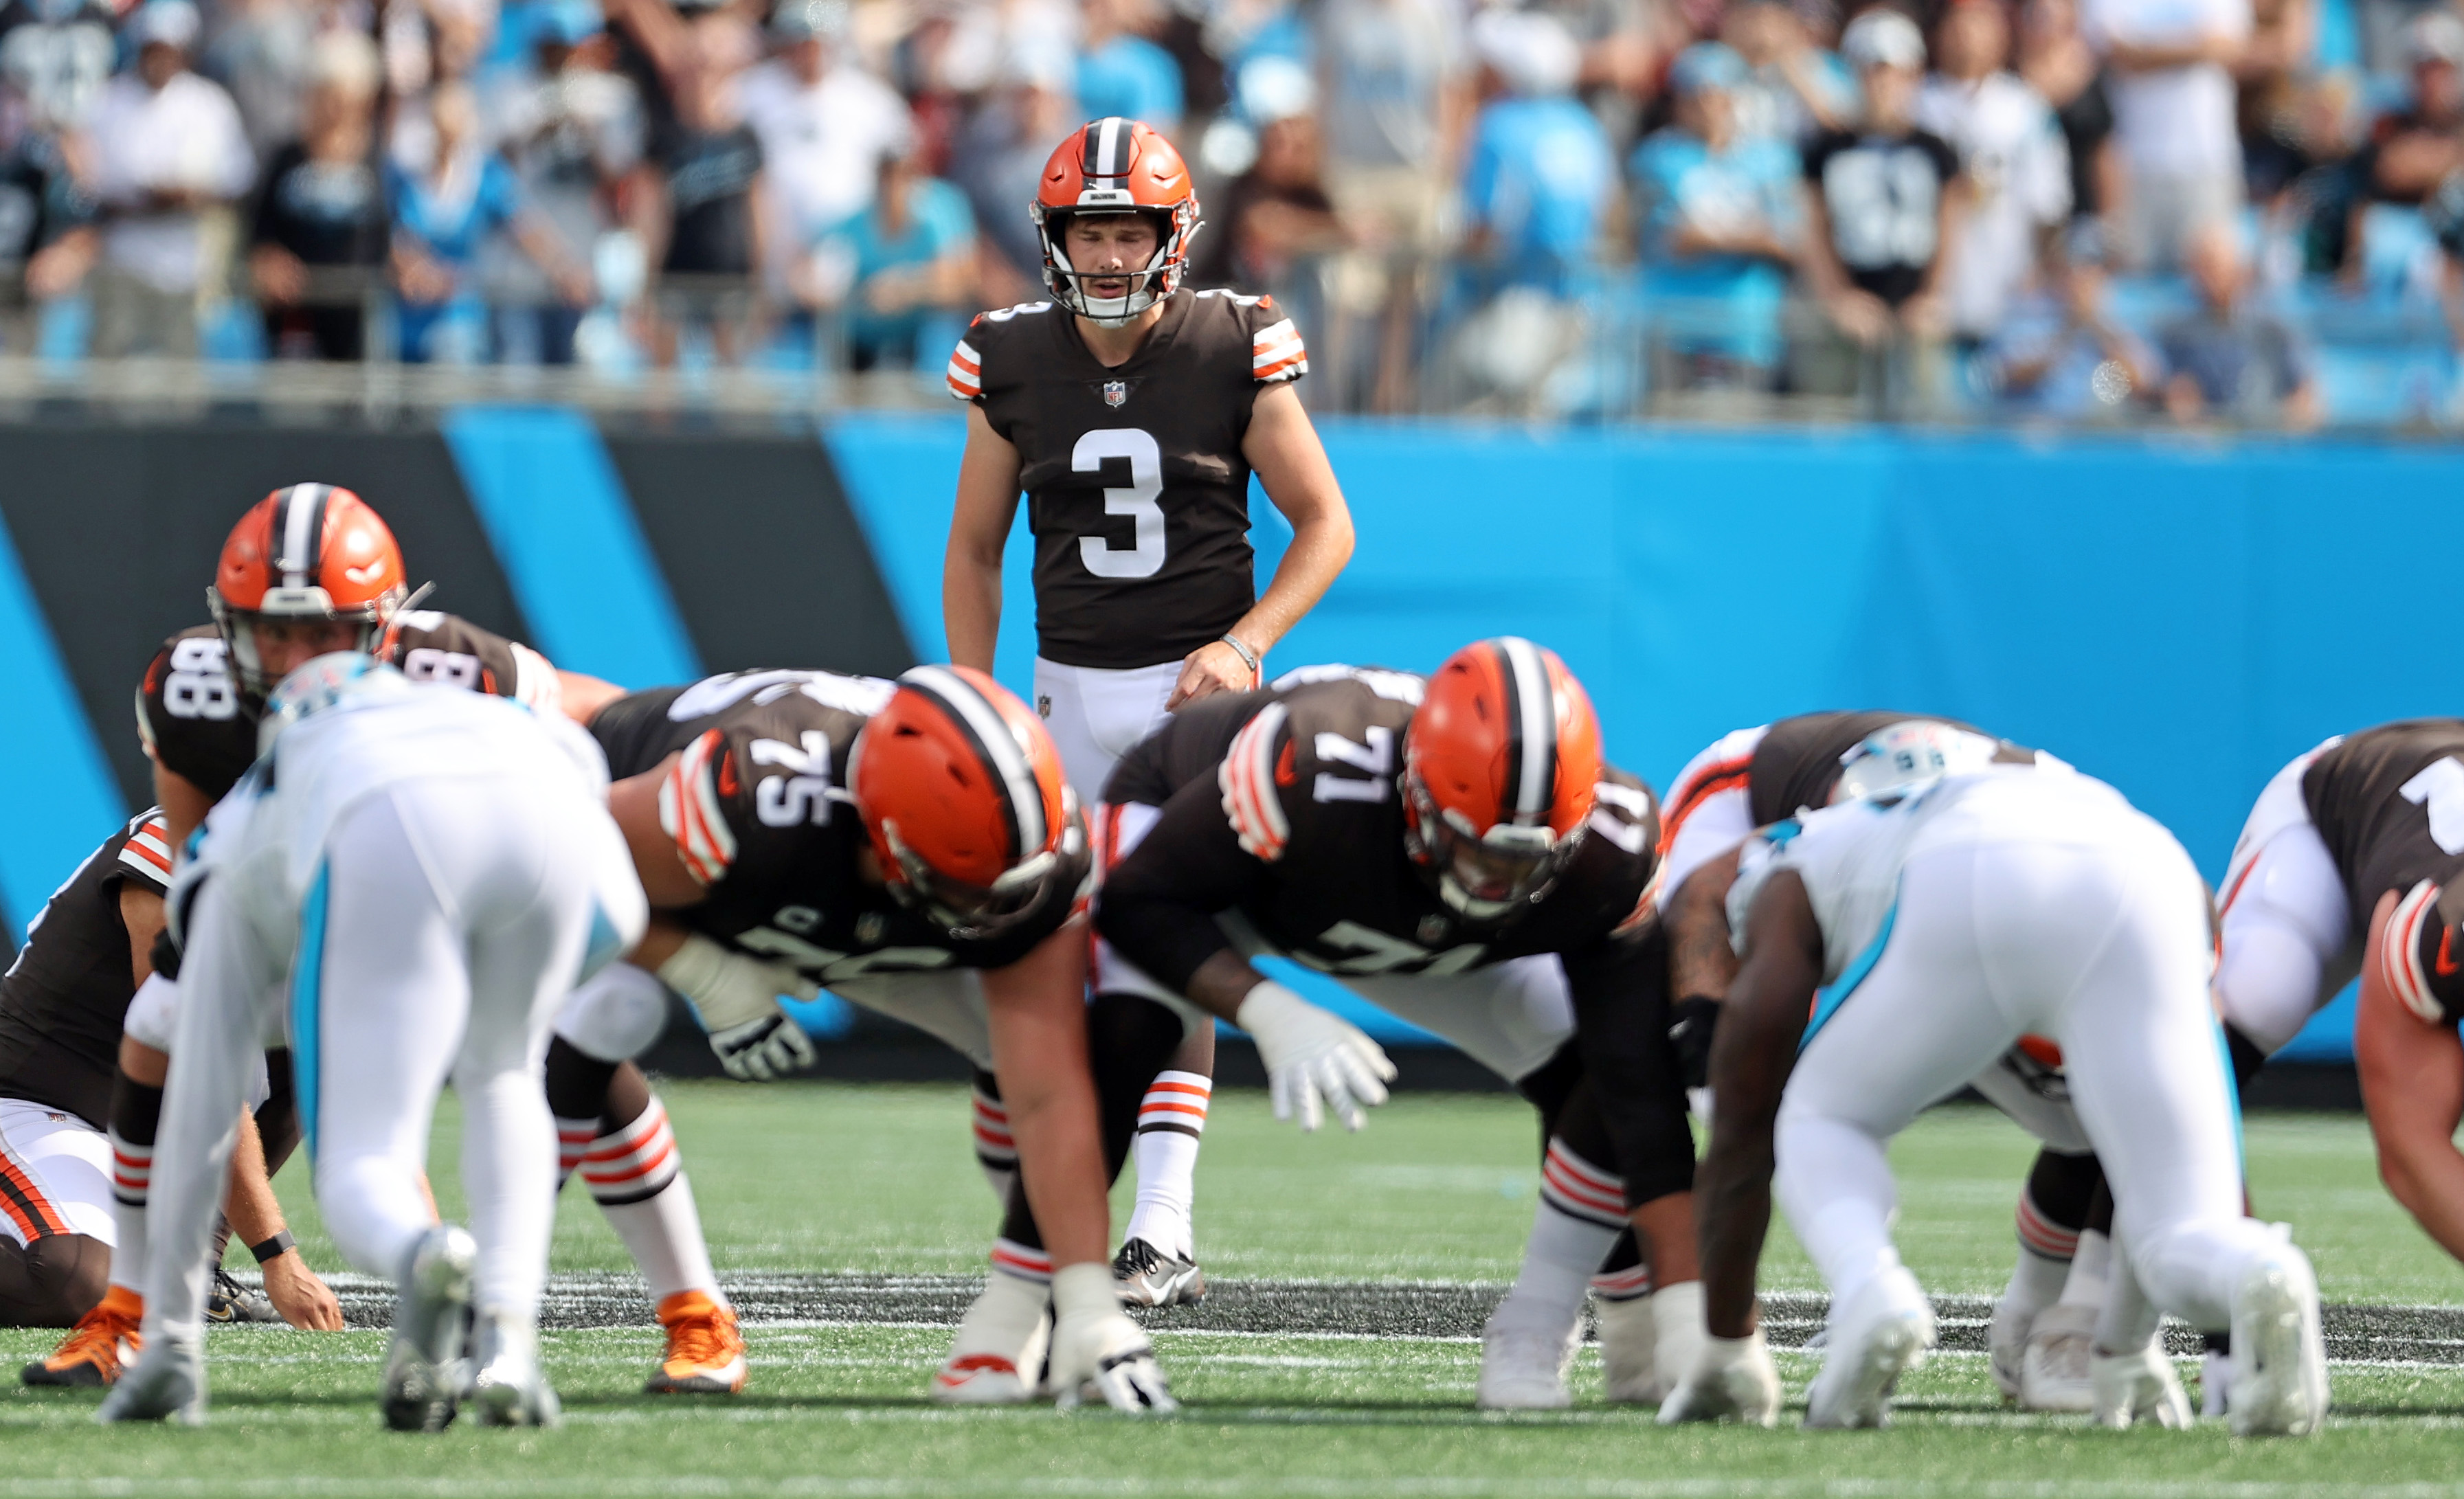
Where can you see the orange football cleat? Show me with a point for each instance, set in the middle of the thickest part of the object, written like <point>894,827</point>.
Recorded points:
<point>705,1352</point>
<point>103,1340</point>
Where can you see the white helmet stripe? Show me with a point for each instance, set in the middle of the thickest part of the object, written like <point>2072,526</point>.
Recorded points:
<point>1535,714</point>
<point>1107,148</point>
<point>1009,760</point>
<point>299,514</point>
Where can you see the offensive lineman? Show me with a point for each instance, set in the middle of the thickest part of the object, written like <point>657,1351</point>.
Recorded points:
<point>312,568</point>
<point>1893,949</point>
<point>1462,857</point>
<point>1132,412</point>
<point>1752,778</point>
<point>915,847</point>
<point>407,886</point>
<point>2350,862</point>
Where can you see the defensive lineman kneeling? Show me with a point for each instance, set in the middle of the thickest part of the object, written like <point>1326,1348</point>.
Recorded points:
<point>410,881</point>
<point>1970,911</point>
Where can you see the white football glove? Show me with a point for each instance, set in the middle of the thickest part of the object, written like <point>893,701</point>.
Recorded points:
<point>2137,1386</point>
<point>1733,1378</point>
<point>737,997</point>
<point>1097,1352</point>
<point>1313,1054</point>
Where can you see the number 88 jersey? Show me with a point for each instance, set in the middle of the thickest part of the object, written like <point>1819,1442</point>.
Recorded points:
<point>1137,490</point>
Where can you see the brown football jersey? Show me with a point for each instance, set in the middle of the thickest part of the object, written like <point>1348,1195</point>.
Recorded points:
<point>1137,491</point>
<point>2390,804</point>
<point>197,723</point>
<point>1797,763</point>
<point>62,1000</point>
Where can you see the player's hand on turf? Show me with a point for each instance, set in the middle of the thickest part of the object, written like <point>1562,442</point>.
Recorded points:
<point>763,1050</point>
<point>2135,1387</point>
<point>737,997</point>
<point>1733,1378</point>
<point>1097,1352</point>
<point>1313,1055</point>
<point>305,1302</point>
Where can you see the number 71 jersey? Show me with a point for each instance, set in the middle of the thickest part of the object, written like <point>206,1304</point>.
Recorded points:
<point>1137,490</point>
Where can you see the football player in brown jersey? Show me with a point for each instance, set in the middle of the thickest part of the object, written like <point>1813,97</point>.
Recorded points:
<point>1751,778</point>
<point>65,1165</point>
<point>312,568</point>
<point>1462,858</point>
<point>2353,861</point>
<point>915,847</point>
<point>1133,410</point>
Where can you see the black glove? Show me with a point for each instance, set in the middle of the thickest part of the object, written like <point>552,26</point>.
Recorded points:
<point>1690,1023</point>
<point>165,954</point>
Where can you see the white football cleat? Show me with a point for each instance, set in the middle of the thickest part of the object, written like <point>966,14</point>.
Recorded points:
<point>2054,1373</point>
<point>1883,1333</point>
<point>510,1388</point>
<point>2139,1386</point>
<point>996,1358</point>
<point>2006,1341</point>
<point>425,1369</point>
<point>1629,1351</point>
<point>1147,1276</point>
<point>1523,1367</point>
<point>168,1383</point>
<point>2279,1356</point>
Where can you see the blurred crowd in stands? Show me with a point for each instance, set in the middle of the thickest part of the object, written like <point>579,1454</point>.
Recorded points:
<point>2194,211</point>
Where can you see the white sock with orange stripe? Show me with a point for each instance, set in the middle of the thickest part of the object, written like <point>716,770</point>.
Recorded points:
<point>1022,1261</point>
<point>1581,1212</point>
<point>996,1152</point>
<point>1171,1118</point>
<point>2090,1270</point>
<point>132,1174</point>
<point>2046,1251</point>
<point>636,1176</point>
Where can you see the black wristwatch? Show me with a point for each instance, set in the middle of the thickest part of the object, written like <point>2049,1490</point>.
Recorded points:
<point>274,1247</point>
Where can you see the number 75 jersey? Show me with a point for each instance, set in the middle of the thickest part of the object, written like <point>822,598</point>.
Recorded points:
<point>1137,490</point>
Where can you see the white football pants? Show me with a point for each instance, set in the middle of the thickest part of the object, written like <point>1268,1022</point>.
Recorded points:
<point>1095,715</point>
<point>2286,937</point>
<point>2100,944</point>
<point>450,920</point>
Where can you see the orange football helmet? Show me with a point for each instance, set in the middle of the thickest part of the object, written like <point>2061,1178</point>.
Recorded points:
<point>1115,166</point>
<point>306,551</point>
<point>961,789</point>
<point>1501,765</point>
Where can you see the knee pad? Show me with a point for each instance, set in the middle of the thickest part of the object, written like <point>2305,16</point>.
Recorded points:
<point>615,1016</point>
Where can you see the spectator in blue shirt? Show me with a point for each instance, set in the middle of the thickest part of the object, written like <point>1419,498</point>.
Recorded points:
<point>1540,173</point>
<point>1121,73</point>
<point>895,264</point>
<point>1719,221</point>
<point>441,214</point>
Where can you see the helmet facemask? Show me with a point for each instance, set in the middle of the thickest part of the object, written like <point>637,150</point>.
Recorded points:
<point>969,912</point>
<point>308,605</point>
<point>1489,877</point>
<point>1147,286</point>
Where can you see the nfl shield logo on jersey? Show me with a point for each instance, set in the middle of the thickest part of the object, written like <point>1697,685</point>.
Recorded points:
<point>1115,391</point>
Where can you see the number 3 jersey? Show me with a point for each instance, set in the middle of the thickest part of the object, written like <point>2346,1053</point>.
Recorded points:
<point>1294,821</point>
<point>757,804</point>
<point>1137,491</point>
<point>197,725</point>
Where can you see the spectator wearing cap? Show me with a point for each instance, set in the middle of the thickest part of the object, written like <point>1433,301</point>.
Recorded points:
<point>1277,212</point>
<point>1719,225</point>
<point>1396,77</point>
<point>1793,90</point>
<point>2413,150</point>
<point>166,150</point>
<point>2228,359</point>
<point>824,122</point>
<point>1121,71</point>
<point>2174,115</point>
<point>2013,157</point>
<point>1882,210</point>
<point>888,272</point>
<point>443,216</point>
<point>1539,174</point>
<point>321,209</point>
<point>574,134</point>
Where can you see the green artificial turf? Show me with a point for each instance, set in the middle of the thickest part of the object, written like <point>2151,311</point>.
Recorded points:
<point>824,1179</point>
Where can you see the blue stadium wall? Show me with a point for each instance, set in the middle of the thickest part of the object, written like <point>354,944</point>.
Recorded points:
<point>2179,618</point>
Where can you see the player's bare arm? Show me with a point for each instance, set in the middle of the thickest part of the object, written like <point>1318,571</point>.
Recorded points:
<point>1750,1061</point>
<point>2412,1089</point>
<point>581,696</point>
<point>970,571</point>
<point>184,808</point>
<point>1038,1016</point>
<point>1282,448</point>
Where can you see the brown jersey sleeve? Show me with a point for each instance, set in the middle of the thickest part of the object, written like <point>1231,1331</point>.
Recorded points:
<point>430,646</point>
<point>191,715</point>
